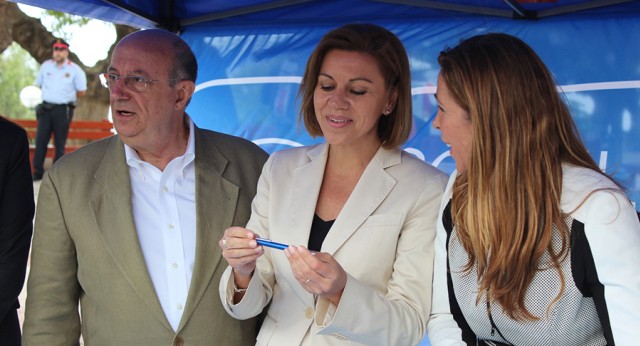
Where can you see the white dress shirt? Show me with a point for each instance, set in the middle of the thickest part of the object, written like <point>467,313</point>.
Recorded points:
<point>164,210</point>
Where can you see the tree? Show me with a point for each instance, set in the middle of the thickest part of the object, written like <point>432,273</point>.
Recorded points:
<point>32,36</point>
<point>17,72</point>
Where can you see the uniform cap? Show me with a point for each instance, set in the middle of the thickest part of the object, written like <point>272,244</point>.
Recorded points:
<point>60,43</point>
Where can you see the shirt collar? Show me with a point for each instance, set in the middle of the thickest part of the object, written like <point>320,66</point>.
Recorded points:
<point>134,161</point>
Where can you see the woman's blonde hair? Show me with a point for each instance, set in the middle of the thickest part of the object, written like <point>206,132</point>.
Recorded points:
<point>391,56</point>
<point>506,205</point>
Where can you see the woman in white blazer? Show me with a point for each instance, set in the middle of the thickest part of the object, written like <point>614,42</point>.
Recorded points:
<point>358,213</point>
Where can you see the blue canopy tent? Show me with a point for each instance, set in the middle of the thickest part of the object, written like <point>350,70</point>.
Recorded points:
<point>252,54</point>
<point>178,14</point>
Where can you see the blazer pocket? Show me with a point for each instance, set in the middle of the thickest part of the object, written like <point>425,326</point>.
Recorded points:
<point>383,220</point>
<point>376,240</point>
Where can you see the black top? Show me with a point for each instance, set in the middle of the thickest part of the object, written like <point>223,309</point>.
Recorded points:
<point>319,230</point>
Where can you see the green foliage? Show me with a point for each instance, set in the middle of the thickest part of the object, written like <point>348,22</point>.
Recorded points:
<point>60,21</point>
<point>17,70</point>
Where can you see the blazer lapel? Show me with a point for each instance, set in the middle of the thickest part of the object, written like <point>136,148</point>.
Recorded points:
<point>306,180</point>
<point>113,214</point>
<point>216,200</point>
<point>374,186</point>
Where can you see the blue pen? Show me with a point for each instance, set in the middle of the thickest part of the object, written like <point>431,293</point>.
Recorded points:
<point>269,243</point>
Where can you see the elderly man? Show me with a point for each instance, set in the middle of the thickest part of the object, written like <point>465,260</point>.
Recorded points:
<point>128,226</point>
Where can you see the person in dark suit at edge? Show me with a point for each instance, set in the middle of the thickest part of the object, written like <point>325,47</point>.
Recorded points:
<point>16,225</point>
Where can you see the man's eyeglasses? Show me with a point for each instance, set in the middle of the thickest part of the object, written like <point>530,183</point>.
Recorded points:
<point>59,49</point>
<point>135,83</point>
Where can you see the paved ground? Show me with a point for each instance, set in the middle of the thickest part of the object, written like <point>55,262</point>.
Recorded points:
<point>23,294</point>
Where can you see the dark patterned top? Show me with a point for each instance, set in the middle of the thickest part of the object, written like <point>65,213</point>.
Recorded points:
<point>599,287</point>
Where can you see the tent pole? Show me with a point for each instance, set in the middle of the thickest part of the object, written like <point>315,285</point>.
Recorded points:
<point>243,11</point>
<point>580,7</point>
<point>119,4</point>
<point>451,7</point>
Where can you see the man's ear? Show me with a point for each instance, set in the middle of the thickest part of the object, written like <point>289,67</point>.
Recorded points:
<point>186,89</point>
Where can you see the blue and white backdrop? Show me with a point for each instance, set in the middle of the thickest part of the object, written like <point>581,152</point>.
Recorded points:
<point>249,76</point>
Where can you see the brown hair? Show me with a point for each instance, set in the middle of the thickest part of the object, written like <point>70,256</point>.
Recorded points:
<point>391,56</point>
<point>507,204</point>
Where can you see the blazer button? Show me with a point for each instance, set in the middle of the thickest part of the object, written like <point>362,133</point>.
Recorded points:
<point>340,336</point>
<point>178,341</point>
<point>308,313</point>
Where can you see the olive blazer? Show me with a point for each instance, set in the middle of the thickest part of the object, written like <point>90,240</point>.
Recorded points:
<point>86,249</point>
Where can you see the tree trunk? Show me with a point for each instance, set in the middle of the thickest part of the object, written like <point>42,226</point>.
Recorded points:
<point>32,36</point>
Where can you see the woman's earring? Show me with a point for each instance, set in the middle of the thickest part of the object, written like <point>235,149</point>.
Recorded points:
<point>386,112</point>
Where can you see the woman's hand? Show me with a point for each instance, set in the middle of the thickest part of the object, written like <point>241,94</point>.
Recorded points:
<point>318,272</point>
<point>240,250</point>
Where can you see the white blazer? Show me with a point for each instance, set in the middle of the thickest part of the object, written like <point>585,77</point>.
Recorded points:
<point>383,238</point>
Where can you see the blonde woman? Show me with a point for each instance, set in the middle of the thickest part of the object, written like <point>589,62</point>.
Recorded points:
<point>535,245</point>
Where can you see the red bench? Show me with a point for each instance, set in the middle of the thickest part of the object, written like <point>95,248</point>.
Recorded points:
<point>81,132</point>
